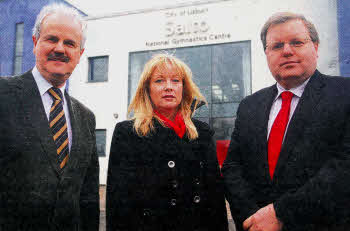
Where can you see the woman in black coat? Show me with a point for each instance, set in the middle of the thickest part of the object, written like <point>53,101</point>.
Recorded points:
<point>163,172</point>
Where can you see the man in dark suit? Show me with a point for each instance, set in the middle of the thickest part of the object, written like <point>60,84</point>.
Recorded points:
<point>48,159</point>
<point>288,164</point>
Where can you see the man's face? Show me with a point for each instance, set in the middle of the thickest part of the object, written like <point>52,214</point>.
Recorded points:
<point>290,53</point>
<point>57,50</point>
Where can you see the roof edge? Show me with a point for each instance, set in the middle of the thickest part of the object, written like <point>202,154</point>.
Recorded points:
<point>80,11</point>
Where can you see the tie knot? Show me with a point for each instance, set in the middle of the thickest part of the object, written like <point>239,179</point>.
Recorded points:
<point>55,93</point>
<point>287,95</point>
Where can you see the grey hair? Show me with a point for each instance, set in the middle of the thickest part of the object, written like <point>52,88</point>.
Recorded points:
<point>284,17</point>
<point>59,9</point>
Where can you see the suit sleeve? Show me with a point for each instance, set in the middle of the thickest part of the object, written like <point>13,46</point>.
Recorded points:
<point>122,180</point>
<point>89,196</point>
<point>217,207</point>
<point>238,191</point>
<point>324,197</point>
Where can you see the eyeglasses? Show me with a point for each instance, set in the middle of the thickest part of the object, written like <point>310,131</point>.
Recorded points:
<point>295,43</point>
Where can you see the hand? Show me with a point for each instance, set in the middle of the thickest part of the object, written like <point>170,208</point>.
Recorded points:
<point>263,220</point>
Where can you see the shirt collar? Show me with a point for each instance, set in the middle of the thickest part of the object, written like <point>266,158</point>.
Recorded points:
<point>297,91</point>
<point>43,84</point>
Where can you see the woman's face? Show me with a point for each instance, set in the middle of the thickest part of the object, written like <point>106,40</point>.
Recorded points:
<point>165,89</point>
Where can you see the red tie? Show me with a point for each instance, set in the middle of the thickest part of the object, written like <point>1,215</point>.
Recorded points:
<point>277,131</point>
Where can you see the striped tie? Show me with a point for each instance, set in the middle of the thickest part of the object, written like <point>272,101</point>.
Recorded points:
<point>58,126</point>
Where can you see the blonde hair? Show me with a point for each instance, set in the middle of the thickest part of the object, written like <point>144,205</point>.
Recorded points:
<point>141,104</point>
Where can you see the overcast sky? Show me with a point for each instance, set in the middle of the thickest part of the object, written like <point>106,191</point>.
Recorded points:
<point>100,7</point>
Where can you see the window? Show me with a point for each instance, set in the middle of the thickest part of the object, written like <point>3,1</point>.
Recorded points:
<point>98,69</point>
<point>101,142</point>
<point>221,71</point>
<point>17,62</point>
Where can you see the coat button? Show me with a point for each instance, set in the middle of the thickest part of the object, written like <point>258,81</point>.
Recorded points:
<point>174,184</point>
<point>201,163</point>
<point>196,199</point>
<point>171,164</point>
<point>173,202</point>
<point>146,212</point>
<point>196,181</point>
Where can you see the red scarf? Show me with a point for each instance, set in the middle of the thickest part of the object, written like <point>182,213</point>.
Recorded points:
<point>178,125</point>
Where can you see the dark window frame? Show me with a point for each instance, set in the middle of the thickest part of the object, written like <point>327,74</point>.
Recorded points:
<point>18,56</point>
<point>91,69</point>
<point>105,139</point>
<point>210,117</point>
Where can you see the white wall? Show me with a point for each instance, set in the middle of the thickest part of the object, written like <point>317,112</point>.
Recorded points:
<point>241,19</point>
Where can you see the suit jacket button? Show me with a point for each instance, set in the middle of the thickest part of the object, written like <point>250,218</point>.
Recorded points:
<point>173,202</point>
<point>201,163</point>
<point>196,199</point>
<point>171,164</point>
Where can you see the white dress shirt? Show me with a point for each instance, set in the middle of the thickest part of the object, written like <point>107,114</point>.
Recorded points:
<point>277,104</point>
<point>44,86</point>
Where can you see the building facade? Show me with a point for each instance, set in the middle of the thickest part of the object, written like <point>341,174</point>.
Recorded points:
<point>219,40</point>
<point>344,36</point>
<point>17,18</point>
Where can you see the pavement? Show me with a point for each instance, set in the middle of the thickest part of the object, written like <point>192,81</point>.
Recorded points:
<point>103,211</point>
<point>102,208</point>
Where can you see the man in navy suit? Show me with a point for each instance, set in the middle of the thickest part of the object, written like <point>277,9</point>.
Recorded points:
<point>48,160</point>
<point>288,164</point>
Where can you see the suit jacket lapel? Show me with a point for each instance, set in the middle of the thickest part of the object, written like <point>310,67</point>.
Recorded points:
<point>264,107</point>
<point>73,160</point>
<point>306,109</point>
<point>36,117</point>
